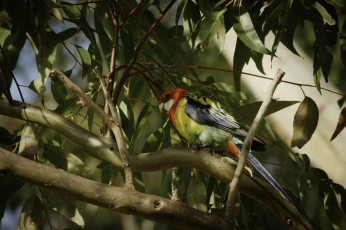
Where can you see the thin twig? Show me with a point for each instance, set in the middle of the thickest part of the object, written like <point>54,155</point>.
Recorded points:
<point>232,195</point>
<point>135,56</point>
<point>114,125</point>
<point>114,47</point>
<point>128,17</point>
<point>14,78</point>
<point>231,71</point>
<point>118,133</point>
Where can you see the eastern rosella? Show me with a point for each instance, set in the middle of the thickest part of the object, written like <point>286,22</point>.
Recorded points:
<point>204,122</point>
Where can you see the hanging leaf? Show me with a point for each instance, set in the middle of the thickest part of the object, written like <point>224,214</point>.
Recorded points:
<point>59,90</point>
<point>241,57</point>
<point>212,24</point>
<point>71,10</point>
<point>341,124</point>
<point>32,215</point>
<point>86,59</point>
<point>317,72</point>
<point>246,113</point>
<point>343,43</point>
<point>197,194</point>
<point>55,155</point>
<point>180,8</point>
<point>46,54</point>
<point>66,34</point>
<point>324,13</point>
<point>246,31</point>
<point>305,122</point>
<point>63,205</point>
<point>338,3</point>
<point>191,17</point>
<point>38,87</point>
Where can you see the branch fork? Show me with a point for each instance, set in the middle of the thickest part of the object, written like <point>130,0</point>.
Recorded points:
<point>112,122</point>
<point>232,195</point>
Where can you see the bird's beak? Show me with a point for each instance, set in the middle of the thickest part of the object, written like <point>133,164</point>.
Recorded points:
<point>161,106</point>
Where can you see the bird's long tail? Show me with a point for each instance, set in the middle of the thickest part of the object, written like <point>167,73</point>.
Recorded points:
<point>264,173</point>
<point>235,149</point>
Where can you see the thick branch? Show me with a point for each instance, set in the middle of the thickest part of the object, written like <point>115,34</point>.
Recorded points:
<point>114,125</point>
<point>232,196</point>
<point>117,199</point>
<point>253,187</point>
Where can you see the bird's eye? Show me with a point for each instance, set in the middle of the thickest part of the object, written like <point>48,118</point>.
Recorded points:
<point>167,96</point>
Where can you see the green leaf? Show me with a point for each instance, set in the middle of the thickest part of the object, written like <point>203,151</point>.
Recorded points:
<point>338,4</point>
<point>32,215</point>
<point>38,87</point>
<point>317,72</point>
<point>197,194</point>
<point>59,90</point>
<point>8,187</point>
<point>322,57</point>
<point>246,113</point>
<point>66,106</point>
<point>71,10</point>
<point>341,124</point>
<point>191,17</point>
<point>341,101</point>
<point>245,30</point>
<point>180,8</point>
<point>305,122</point>
<point>241,57</point>
<point>63,205</point>
<point>55,155</point>
<point>12,47</point>
<point>324,13</point>
<point>343,43</point>
<point>46,54</point>
<point>258,59</point>
<point>66,34</point>
<point>212,24</point>
<point>86,59</point>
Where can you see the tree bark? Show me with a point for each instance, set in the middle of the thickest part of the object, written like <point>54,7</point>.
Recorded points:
<point>254,187</point>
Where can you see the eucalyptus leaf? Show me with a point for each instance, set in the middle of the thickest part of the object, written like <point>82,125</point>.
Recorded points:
<point>341,124</point>
<point>191,17</point>
<point>246,31</point>
<point>197,194</point>
<point>305,122</point>
<point>55,155</point>
<point>86,59</point>
<point>64,206</point>
<point>38,87</point>
<point>59,90</point>
<point>212,24</point>
<point>32,215</point>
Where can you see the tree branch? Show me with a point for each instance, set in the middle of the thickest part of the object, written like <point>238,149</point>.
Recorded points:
<point>114,125</point>
<point>114,198</point>
<point>118,133</point>
<point>211,164</point>
<point>232,196</point>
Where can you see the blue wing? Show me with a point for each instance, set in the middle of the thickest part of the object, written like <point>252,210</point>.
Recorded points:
<point>209,112</point>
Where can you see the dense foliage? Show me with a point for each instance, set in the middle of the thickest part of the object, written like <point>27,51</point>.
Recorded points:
<point>141,56</point>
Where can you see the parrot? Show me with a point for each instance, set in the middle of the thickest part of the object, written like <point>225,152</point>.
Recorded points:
<point>205,123</point>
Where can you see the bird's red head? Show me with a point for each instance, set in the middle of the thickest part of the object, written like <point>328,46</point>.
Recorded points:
<point>168,101</point>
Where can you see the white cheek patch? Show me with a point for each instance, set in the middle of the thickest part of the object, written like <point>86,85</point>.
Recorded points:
<point>167,105</point>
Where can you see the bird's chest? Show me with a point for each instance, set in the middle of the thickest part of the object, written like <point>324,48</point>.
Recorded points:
<point>198,134</point>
